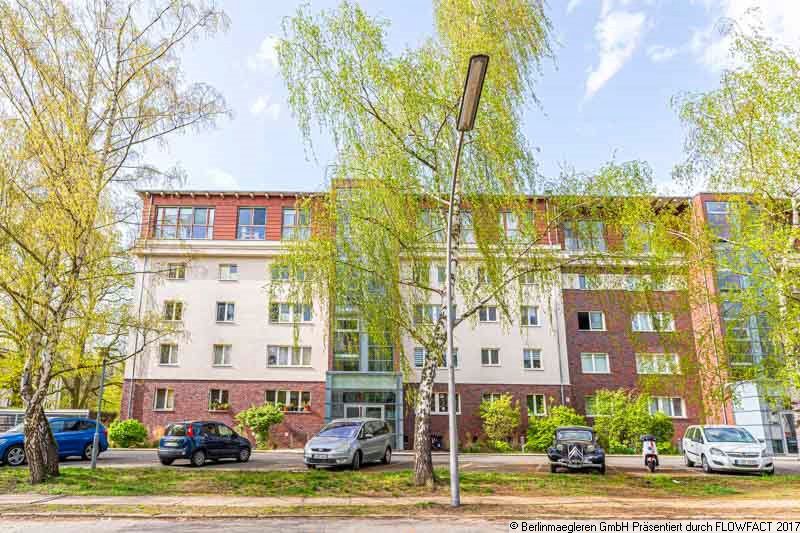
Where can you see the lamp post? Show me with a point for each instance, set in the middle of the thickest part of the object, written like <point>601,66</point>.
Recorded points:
<point>96,437</point>
<point>473,86</point>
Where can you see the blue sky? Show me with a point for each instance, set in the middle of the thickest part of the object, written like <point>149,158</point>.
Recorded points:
<point>606,94</point>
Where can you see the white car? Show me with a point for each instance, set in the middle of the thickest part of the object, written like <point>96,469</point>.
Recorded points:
<point>729,448</point>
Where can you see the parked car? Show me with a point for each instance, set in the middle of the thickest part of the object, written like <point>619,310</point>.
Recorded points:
<point>353,442</point>
<point>576,448</point>
<point>74,437</point>
<point>729,448</point>
<point>201,440</point>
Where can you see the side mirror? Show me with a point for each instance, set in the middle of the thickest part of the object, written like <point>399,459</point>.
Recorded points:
<point>368,436</point>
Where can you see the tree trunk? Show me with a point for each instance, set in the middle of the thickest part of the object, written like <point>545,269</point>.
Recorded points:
<point>423,462</point>
<point>40,446</point>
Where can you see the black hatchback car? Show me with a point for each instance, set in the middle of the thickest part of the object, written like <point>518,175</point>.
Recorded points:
<point>199,441</point>
<point>576,448</point>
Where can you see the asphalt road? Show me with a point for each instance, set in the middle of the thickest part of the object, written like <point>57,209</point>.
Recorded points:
<point>293,460</point>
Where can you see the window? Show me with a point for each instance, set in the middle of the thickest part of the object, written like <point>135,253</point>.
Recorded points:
<point>655,321</point>
<point>296,224</point>
<point>184,223</point>
<point>528,278</point>
<point>467,228</point>
<point>441,273</point>
<point>594,363</point>
<point>490,357</point>
<point>218,400</point>
<point>587,282</point>
<point>176,271</point>
<point>671,406</point>
<point>591,321</point>
<point>487,314</point>
<point>481,275</point>
<point>421,273</point>
<point>286,313</point>
<point>225,311</point>
<point>491,396</point>
<point>440,405</point>
<point>590,405</point>
<point>426,313</point>
<point>222,355</point>
<point>529,315</point>
<point>509,223</point>
<point>718,214</point>
<point>168,355</point>
<point>346,345</point>
<point>421,353</point>
<point>657,363</point>
<point>173,311</point>
<point>252,224</point>
<point>292,401</point>
<point>164,400</point>
<point>288,356</point>
<point>228,272</point>
<point>537,405</point>
<point>584,235</point>
<point>286,273</point>
<point>531,359</point>
<point>433,225</point>
<point>380,354</point>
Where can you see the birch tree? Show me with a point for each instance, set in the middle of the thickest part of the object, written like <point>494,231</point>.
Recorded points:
<point>84,88</point>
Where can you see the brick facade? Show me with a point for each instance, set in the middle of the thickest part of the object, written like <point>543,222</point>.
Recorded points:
<point>191,403</point>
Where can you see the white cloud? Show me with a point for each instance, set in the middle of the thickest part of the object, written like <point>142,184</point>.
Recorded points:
<point>263,106</point>
<point>572,5</point>
<point>221,180</point>
<point>266,56</point>
<point>618,34</point>
<point>658,53</point>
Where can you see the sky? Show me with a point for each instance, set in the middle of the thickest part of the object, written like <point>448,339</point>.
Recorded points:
<point>606,93</point>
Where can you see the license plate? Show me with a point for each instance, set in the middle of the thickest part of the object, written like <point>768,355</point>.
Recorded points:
<point>745,462</point>
<point>319,456</point>
<point>171,444</point>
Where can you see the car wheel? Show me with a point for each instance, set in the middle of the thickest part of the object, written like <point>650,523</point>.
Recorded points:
<point>166,462</point>
<point>198,458</point>
<point>356,464</point>
<point>87,452</point>
<point>553,468</point>
<point>387,456</point>
<point>15,455</point>
<point>311,467</point>
<point>603,469</point>
<point>706,466</point>
<point>770,472</point>
<point>244,455</point>
<point>688,461</point>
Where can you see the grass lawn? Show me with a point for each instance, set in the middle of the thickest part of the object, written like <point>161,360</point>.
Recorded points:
<point>172,482</point>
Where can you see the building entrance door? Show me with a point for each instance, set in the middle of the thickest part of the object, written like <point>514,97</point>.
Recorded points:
<point>789,426</point>
<point>360,410</point>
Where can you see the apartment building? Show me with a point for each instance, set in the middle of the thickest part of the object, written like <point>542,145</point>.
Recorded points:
<point>210,265</point>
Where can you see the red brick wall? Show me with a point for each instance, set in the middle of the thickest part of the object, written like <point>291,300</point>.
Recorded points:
<point>622,345</point>
<point>470,426</point>
<point>191,403</point>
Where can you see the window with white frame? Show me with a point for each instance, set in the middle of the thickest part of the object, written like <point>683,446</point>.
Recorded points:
<point>588,282</point>
<point>281,272</point>
<point>168,355</point>
<point>491,397</point>
<point>176,271</point>
<point>433,224</point>
<point>421,273</point>
<point>529,315</point>
<point>218,400</point>
<point>671,406</point>
<point>657,363</point>
<point>228,272</point>
<point>164,400</point>
<point>528,278</point>
<point>421,353</point>
<point>653,321</point>
<point>288,356</point>
<point>426,313</point>
<point>584,235</point>
<point>537,405</point>
<point>184,223</point>
<point>226,311</point>
<point>531,359</point>
<point>467,228</point>
<point>441,273</point>
<point>490,357</point>
<point>221,355</point>
<point>591,321</point>
<point>594,363</point>
<point>296,224</point>
<point>590,405</point>
<point>289,313</point>
<point>487,313</point>
<point>440,405</point>
<point>252,224</point>
<point>173,311</point>
<point>481,275</point>
<point>292,401</point>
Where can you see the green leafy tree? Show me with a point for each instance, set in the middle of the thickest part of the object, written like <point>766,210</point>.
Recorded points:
<point>541,429</point>
<point>622,417</point>
<point>259,419</point>
<point>501,418</point>
<point>127,433</point>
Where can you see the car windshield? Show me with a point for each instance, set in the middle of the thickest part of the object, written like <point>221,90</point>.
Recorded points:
<point>341,431</point>
<point>176,430</point>
<point>728,435</point>
<point>574,434</point>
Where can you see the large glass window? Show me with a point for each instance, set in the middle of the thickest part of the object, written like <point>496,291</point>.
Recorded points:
<point>669,405</point>
<point>718,216</point>
<point>657,363</point>
<point>184,223</point>
<point>288,356</point>
<point>252,223</point>
<point>291,401</point>
<point>296,224</point>
<point>346,345</point>
<point>288,313</point>
<point>584,235</point>
<point>380,355</point>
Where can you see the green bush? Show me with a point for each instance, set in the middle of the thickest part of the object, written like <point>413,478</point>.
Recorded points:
<point>127,433</point>
<point>621,418</point>
<point>541,429</point>
<point>259,419</point>
<point>501,446</point>
<point>500,417</point>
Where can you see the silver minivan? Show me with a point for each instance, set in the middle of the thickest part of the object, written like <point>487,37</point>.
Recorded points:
<point>350,441</point>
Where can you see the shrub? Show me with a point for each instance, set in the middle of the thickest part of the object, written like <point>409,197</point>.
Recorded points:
<point>623,417</point>
<point>541,429</point>
<point>500,418</point>
<point>501,446</point>
<point>127,433</point>
<point>259,419</point>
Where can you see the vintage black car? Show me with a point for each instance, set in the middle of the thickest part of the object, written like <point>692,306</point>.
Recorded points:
<point>575,448</point>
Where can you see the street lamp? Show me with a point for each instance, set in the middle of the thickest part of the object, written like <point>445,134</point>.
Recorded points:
<point>473,86</point>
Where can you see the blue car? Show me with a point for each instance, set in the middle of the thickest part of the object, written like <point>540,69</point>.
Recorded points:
<point>198,441</point>
<point>73,436</point>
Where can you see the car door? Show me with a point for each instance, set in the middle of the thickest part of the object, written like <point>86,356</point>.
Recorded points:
<point>699,443</point>
<point>688,443</point>
<point>229,441</point>
<point>376,441</point>
<point>211,441</point>
<point>69,438</point>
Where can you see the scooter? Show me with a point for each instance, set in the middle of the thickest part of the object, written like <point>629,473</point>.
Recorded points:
<point>437,442</point>
<point>650,452</point>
